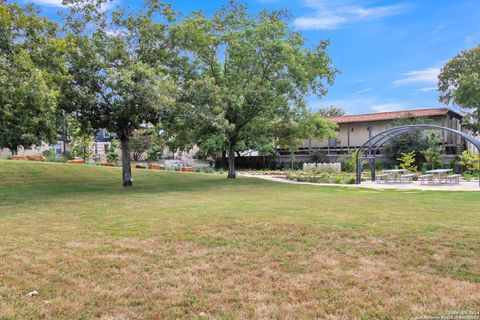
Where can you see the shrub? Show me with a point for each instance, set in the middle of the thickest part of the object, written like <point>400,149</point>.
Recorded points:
<point>351,180</point>
<point>52,156</point>
<point>469,162</point>
<point>49,153</point>
<point>349,161</point>
<point>112,155</point>
<point>318,156</point>
<point>67,155</point>
<point>433,154</point>
<point>154,153</point>
<point>407,160</point>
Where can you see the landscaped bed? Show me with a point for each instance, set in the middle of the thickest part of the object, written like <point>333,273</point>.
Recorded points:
<point>307,176</point>
<point>197,246</point>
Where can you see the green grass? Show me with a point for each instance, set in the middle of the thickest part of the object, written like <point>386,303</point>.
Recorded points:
<point>199,246</point>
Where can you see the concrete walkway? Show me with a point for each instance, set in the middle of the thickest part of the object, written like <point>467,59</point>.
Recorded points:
<point>463,186</point>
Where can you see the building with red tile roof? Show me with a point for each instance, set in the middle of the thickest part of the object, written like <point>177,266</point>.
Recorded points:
<point>354,130</point>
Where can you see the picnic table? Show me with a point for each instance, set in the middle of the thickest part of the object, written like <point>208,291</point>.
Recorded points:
<point>393,176</point>
<point>440,175</point>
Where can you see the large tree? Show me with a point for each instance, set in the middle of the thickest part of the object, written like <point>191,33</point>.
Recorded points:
<point>30,56</point>
<point>331,112</point>
<point>459,84</point>
<point>119,63</point>
<point>251,74</point>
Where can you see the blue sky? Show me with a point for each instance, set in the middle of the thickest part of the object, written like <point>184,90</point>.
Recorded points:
<point>389,52</point>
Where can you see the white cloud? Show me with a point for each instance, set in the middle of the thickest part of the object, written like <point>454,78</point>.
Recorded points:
<point>324,22</point>
<point>427,89</point>
<point>363,91</point>
<point>334,14</point>
<point>51,3</point>
<point>429,75</point>
<point>363,104</point>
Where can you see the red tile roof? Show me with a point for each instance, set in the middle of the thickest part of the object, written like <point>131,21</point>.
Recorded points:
<point>380,116</point>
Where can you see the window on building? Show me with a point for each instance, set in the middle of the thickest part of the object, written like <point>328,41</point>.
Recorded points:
<point>106,146</point>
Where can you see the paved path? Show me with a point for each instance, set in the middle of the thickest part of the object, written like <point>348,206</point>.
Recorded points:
<point>463,186</point>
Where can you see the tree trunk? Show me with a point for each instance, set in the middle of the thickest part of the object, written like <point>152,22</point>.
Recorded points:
<point>126,168</point>
<point>14,150</point>
<point>231,159</point>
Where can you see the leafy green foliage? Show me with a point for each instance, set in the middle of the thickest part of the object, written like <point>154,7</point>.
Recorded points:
<point>407,161</point>
<point>118,63</point>
<point>331,112</point>
<point>112,153</point>
<point>349,161</point>
<point>82,146</point>
<point>28,53</point>
<point>408,142</point>
<point>251,75</point>
<point>304,126</point>
<point>433,154</point>
<point>459,84</point>
<point>470,162</point>
<point>146,141</point>
<point>318,156</point>
<point>155,152</point>
<point>139,143</point>
<point>212,146</point>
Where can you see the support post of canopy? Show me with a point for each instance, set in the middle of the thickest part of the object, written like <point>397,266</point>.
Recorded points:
<point>372,168</point>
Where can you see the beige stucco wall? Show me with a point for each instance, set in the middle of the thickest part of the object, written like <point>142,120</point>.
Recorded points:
<point>33,151</point>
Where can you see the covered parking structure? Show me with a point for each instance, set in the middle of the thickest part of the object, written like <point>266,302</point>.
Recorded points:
<point>369,149</point>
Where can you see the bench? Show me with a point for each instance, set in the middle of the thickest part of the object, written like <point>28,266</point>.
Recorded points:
<point>454,178</point>
<point>407,178</point>
<point>426,178</point>
<point>381,177</point>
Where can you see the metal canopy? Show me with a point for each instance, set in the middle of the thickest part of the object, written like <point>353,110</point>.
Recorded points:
<point>370,148</point>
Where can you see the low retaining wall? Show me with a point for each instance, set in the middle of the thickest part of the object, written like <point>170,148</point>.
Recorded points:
<point>318,167</point>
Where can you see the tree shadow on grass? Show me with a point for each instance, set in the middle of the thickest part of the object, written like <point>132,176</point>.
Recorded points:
<point>51,190</point>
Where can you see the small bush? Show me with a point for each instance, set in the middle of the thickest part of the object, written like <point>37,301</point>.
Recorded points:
<point>469,162</point>
<point>407,160</point>
<point>67,155</point>
<point>52,156</point>
<point>112,155</point>
<point>154,153</point>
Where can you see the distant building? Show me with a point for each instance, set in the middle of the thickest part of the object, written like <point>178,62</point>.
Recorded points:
<point>102,141</point>
<point>354,130</point>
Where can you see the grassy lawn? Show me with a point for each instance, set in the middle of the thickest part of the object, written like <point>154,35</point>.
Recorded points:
<point>197,246</point>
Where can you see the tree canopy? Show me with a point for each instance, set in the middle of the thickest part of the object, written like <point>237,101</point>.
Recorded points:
<point>29,65</point>
<point>231,82</point>
<point>331,112</point>
<point>459,84</point>
<point>118,65</point>
<point>251,75</point>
